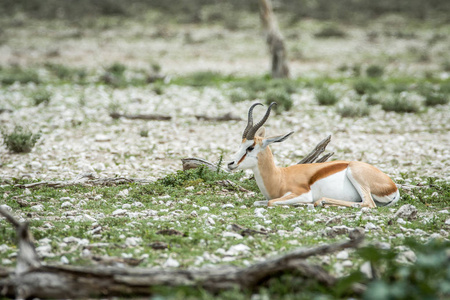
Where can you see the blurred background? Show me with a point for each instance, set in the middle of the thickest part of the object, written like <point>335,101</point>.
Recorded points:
<point>184,36</point>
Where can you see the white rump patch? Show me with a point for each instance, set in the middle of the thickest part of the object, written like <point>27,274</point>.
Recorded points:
<point>337,186</point>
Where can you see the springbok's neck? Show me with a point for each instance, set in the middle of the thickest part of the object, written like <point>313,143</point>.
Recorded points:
<point>267,174</point>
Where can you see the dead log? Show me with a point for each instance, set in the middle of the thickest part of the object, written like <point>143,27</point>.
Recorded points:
<point>147,117</point>
<point>86,179</point>
<point>312,157</point>
<point>5,110</point>
<point>274,40</point>
<point>36,280</point>
<point>226,117</point>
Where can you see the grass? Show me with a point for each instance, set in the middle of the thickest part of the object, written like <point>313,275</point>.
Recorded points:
<point>11,75</point>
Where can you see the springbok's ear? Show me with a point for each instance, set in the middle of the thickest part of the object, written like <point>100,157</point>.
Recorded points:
<point>261,132</point>
<point>275,139</point>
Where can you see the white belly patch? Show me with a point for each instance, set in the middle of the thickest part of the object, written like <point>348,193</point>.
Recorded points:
<point>336,186</point>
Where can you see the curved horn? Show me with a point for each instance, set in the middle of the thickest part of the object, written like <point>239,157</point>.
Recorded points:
<point>252,132</point>
<point>250,120</point>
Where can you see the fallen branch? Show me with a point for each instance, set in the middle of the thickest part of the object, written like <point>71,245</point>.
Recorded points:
<point>150,117</point>
<point>5,110</point>
<point>44,281</point>
<point>194,162</point>
<point>312,157</point>
<point>86,179</point>
<point>226,117</point>
<point>246,231</point>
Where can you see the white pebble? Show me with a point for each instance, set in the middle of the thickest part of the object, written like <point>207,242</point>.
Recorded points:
<point>66,204</point>
<point>64,260</point>
<point>232,234</point>
<point>228,205</point>
<point>99,166</point>
<point>35,165</point>
<point>6,207</point>
<point>171,263</point>
<point>88,218</point>
<point>38,207</point>
<point>204,208</point>
<point>119,212</point>
<point>133,241</point>
<point>342,255</point>
<point>210,221</point>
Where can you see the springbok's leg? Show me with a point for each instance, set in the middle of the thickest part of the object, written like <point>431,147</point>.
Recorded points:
<point>329,201</point>
<point>305,198</point>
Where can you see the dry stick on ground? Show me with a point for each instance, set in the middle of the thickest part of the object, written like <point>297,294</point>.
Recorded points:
<point>87,179</point>
<point>226,117</point>
<point>150,117</point>
<point>36,280</point>
<point>275,40</point>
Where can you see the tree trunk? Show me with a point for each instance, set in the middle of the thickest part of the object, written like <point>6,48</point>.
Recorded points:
<point>274,40</point>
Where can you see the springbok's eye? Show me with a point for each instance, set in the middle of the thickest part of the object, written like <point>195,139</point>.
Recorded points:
<point>250,148</point>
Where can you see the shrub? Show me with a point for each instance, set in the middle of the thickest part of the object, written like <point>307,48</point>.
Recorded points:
<point>427,278</point>
<point>20,140</point>
<point>41,96</point>
<point>372,99</point>
<point>66,73</point>
<point>403,103</point>
<point>400,87</point>
<point>238,95</point>
<point>366,86</point>
<point>353,109</point>
<point>117,69</point>
<point>17,74</point>
<point>436,98</point>
<point>326,97</point>
<point>330,31</point>
<point>143,133</point>
<point>374,71</point>
<point>281,97</point>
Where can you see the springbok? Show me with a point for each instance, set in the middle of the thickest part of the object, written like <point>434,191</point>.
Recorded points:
<point>339,183</point>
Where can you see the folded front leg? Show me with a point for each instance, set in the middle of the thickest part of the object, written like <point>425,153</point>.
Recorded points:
<point>291,199</point>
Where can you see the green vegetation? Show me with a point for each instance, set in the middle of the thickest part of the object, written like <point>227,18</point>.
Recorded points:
<point>436,98</point>
<point>176,201</point>
<point>281,97</point>
<point>374,71</point>
<point>330,31</point>
<point>366,86</point>
<point>11,75</point>
<point>402,103</point>
<point>325,96</point>
<point>353,109</point>
<point>20,140</point>
<point>41,96</point>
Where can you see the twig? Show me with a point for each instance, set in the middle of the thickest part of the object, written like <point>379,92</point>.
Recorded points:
<point>86,179</point>
<point>226,117</point>
<point>149,117</point>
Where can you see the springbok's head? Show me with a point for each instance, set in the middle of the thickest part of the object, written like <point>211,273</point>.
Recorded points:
<point>254,142</point>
